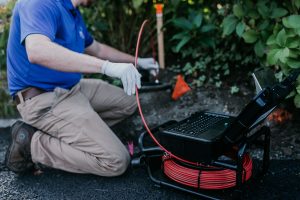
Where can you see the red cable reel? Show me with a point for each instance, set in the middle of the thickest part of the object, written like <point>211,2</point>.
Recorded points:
<point>211,178</point>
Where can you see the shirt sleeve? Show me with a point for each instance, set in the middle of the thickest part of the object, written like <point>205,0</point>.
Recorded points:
<point>39,17</point>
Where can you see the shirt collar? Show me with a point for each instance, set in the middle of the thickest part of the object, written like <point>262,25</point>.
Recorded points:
<point>68,4</point>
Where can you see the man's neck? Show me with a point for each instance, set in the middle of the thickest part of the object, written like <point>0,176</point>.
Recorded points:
<point>75,3</point>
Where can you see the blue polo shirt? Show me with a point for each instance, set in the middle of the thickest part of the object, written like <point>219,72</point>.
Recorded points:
<point>62,24</point>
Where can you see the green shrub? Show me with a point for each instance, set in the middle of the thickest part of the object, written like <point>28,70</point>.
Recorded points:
<point>5,15</point>
<point>117,23</point>
<point>197,46</point>
<point>7,108</point>
<point>273,30</point>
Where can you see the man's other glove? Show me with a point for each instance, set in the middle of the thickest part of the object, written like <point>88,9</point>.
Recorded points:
<point>148,64</point>
<point>128,74</point>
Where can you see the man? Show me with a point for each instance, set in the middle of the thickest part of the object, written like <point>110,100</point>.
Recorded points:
<point>71,116</point>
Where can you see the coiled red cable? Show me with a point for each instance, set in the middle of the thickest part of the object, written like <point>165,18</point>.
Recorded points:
<point>215,178</point>
<point>205,179</point>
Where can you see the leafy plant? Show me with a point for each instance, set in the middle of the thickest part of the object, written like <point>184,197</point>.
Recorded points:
<point>198,48</point>
<point>5,14</point>
<point>193,31</point>
<point>117,23</point>
<point>7,109</point>
<point>273,30</point>
<point>216,66</point>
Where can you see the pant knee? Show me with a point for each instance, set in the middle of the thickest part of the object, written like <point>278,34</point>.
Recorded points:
<point>122,164</point>
<point>117,164</point>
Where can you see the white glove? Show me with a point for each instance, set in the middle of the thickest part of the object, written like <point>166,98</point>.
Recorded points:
<point>128,74</point>
<point>148,64</point>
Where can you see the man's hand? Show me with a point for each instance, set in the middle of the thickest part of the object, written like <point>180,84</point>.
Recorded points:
<point>148,64</point>
<point>128,74</point>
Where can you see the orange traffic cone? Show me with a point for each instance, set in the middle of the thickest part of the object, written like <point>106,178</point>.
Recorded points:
<point>180,89</point>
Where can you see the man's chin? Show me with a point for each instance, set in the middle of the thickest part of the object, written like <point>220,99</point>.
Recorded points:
<point>89,3</point>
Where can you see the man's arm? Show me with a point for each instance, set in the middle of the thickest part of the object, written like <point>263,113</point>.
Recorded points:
<point>41,50</point>
<point>106,52</point>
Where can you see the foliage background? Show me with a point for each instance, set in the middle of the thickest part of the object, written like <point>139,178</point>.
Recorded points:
<point>213,43</point>
<point>7,107</point>
<point>272,28</point>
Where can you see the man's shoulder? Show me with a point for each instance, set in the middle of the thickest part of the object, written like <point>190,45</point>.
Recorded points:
<point>38,4</point>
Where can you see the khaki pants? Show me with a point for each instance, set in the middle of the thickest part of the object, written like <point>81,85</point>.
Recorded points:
<point>74,133</point>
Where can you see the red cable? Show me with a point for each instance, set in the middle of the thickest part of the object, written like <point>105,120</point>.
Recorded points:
<point>140,109</point>
<point>203,179</point>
